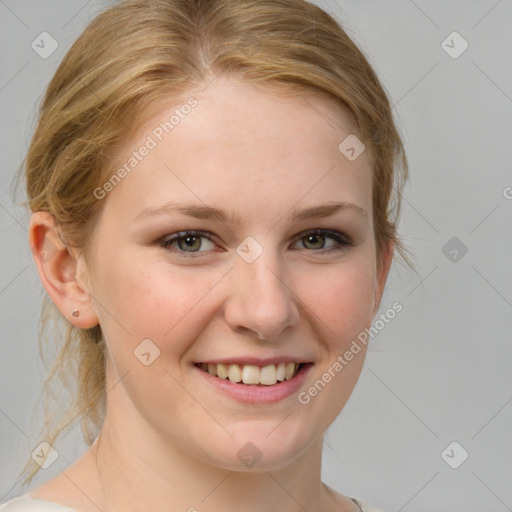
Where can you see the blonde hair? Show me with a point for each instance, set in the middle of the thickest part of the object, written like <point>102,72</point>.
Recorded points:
<point>127,62</point>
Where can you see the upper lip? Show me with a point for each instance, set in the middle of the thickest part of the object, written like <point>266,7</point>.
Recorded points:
<point>256,361</point>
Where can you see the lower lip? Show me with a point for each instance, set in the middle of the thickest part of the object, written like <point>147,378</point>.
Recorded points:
<point>254,394</point>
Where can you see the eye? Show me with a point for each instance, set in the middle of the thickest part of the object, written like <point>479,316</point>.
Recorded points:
<point>188,242</point>
<point>316,240</point>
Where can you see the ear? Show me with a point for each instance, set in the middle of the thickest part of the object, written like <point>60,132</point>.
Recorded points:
<point>383,266</point>
<point>57,268</point>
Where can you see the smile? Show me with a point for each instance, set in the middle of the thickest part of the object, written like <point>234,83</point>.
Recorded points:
<point>249,374</point>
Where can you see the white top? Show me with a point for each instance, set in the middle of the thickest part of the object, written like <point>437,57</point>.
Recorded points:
<point>25,504</point>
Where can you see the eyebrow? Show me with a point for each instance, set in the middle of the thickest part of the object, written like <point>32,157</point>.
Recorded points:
<point>202,211</point>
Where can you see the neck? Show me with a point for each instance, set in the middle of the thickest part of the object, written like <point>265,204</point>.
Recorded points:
<point>143,472</point>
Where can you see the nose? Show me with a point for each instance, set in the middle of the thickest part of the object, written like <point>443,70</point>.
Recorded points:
<point>261,303</point>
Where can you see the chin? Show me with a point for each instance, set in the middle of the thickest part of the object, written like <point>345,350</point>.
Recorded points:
<point>257,448</point>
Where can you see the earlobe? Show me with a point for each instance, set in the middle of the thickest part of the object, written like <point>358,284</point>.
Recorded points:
<point>383,267</point>
<point>57,268</point>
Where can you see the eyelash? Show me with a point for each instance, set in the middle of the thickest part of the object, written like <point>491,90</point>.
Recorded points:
<point>342,240</point>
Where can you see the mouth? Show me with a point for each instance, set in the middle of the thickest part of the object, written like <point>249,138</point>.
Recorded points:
<point>253,375</point>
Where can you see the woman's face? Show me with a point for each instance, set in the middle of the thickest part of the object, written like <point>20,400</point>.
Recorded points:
<point>253,175</point>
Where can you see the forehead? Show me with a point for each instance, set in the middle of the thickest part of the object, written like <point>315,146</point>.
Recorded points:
<point>236,141</point>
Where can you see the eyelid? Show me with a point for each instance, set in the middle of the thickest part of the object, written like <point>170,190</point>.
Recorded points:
<point>342,240</point>
<point>166,240</point>
<point>330,233</point>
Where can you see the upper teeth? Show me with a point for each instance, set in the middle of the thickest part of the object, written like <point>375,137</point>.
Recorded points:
<point>251,374</point>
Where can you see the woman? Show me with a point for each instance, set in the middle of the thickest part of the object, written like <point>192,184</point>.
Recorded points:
<point>211,185</point>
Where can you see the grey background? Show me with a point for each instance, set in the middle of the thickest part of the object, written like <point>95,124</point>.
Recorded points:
<point>440,371</point>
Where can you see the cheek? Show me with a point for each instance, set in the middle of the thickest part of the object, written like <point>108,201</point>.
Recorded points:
<point>342,304</point>
<point>143,299</point>
<point>341,299</point>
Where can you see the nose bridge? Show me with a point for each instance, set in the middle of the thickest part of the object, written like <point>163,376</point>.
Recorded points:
<point>262,300</point>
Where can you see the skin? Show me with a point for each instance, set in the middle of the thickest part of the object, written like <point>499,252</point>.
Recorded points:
<point>170,440</point>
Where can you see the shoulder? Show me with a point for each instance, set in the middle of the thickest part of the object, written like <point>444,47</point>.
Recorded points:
<point>26,504</point>
<point>365,507</point>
